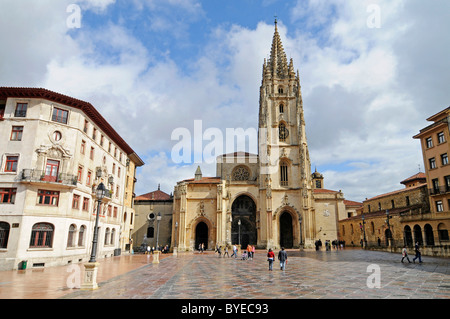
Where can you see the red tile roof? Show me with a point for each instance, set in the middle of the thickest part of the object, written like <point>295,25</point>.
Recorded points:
<point>87,108</point>
<point>352,203</point>
<point>204,180</point>
<point>419,176</point>
<point>156,195</point>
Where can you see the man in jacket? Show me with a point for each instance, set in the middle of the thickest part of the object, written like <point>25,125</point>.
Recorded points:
<point>282,257</point>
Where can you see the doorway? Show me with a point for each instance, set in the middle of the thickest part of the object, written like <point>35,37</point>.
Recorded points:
<point>201,235</point>
<point>243,227</point>
<point>286,231</point>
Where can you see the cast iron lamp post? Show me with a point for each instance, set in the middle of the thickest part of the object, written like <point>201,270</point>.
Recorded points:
<point>156,253</point>
<point>364,230</point>
<point>91,268</point>
<point>239,235</point>
<point>100,194</point>
<point>301,235</point>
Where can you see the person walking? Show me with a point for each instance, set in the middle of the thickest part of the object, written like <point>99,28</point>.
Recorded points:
<point>234,251</point>
<point>249,252</point>
<point>270,258</point>
<point>405,254</point>
<point>225,251</point>
<point>282,257</point>
<point>418,254</point>
<point>253,251</point>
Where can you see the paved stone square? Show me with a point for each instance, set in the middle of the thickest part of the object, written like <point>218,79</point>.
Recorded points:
<point>343,274</point>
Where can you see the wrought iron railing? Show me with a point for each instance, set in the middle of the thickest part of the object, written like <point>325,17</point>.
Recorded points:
<point>34,175</point>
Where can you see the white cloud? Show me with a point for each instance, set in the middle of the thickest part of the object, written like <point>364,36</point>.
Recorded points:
<point>366,91</point>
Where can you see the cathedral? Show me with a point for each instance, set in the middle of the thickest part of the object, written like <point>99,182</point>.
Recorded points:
<point>270,199</point>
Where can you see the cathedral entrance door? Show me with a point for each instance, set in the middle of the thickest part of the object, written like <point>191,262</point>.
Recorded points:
<point>243,227</point>
<point>286,231</point>
<point>201,235</point>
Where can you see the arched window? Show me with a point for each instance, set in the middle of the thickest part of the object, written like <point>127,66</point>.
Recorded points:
<point>107,234</point>
<point>281,107</point>
<point>280,89</point>
<point>81,236</point>
<point>284,174</point>
<point>372,228</point>
<point>429,237</point>
<point>4,234</point>
<point>113,232</point>
<point>42,235</point>
<point>283,132</point>
<point>71,237</point>
<point>442,232</point>
<point>150,232</point>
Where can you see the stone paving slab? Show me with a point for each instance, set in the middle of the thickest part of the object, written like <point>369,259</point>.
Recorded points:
<point>308,275</point>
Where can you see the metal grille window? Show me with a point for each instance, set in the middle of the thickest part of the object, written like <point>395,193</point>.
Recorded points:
<point>4,234</point>
<point>284,174</point>
<point>42,235</point>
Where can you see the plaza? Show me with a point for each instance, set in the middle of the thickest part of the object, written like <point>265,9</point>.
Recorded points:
<point>342,274</point>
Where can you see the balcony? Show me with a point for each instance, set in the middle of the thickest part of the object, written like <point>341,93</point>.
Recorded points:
<point>440,190</point>
<point>38,176</point>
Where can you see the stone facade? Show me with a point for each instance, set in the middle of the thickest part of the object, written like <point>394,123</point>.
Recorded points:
<point>266,199</point>
<point>145,232</point>
<point>54,152</point>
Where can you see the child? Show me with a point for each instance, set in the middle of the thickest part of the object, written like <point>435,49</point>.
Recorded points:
<point>405,254</point>
<point>244,255</point>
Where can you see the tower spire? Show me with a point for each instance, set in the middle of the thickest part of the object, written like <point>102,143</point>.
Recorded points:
<point>278,62</point>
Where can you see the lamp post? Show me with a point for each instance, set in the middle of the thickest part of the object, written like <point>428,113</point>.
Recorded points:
<point>156,253</point>
<point>100,194</point>
<point>364,231</point>
<point>91,268</point>
<point>239,234</point>
<point>175,244</point>
<point>301,235</point>
<point>158,218</point>
<point>389,239</point>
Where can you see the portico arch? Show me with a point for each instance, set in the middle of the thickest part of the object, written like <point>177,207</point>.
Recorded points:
<point>243,224</point>
<point>287,222</point>
<point>202,231</point>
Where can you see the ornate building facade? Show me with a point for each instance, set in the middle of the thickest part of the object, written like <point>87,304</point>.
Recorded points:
<point>265,199</point>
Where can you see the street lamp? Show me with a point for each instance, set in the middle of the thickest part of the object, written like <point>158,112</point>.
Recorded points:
<point>364,230</point>
<point>176,235</point>
<point>158,218</point>
<point>301,236</point>
<point>389,239</point>
<point>239,235</point>
<point>100,194</point>
<point>91,268</point>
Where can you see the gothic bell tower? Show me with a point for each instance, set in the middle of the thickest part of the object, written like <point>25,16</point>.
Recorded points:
<point>285,167</point>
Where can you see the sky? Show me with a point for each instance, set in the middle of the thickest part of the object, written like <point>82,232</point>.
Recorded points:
<point>371,73</point>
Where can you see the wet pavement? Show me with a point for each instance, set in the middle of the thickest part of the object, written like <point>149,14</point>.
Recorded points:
<point>343,274</point>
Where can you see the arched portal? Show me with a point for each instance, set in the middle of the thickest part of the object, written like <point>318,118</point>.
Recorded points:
<point>408,236</point>
<point>286,230</point>
<point>201,235</point>
<point>243,212</point>
<point>418,235</point>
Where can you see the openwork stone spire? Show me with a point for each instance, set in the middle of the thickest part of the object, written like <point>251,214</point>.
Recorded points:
<point>277,64</point>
